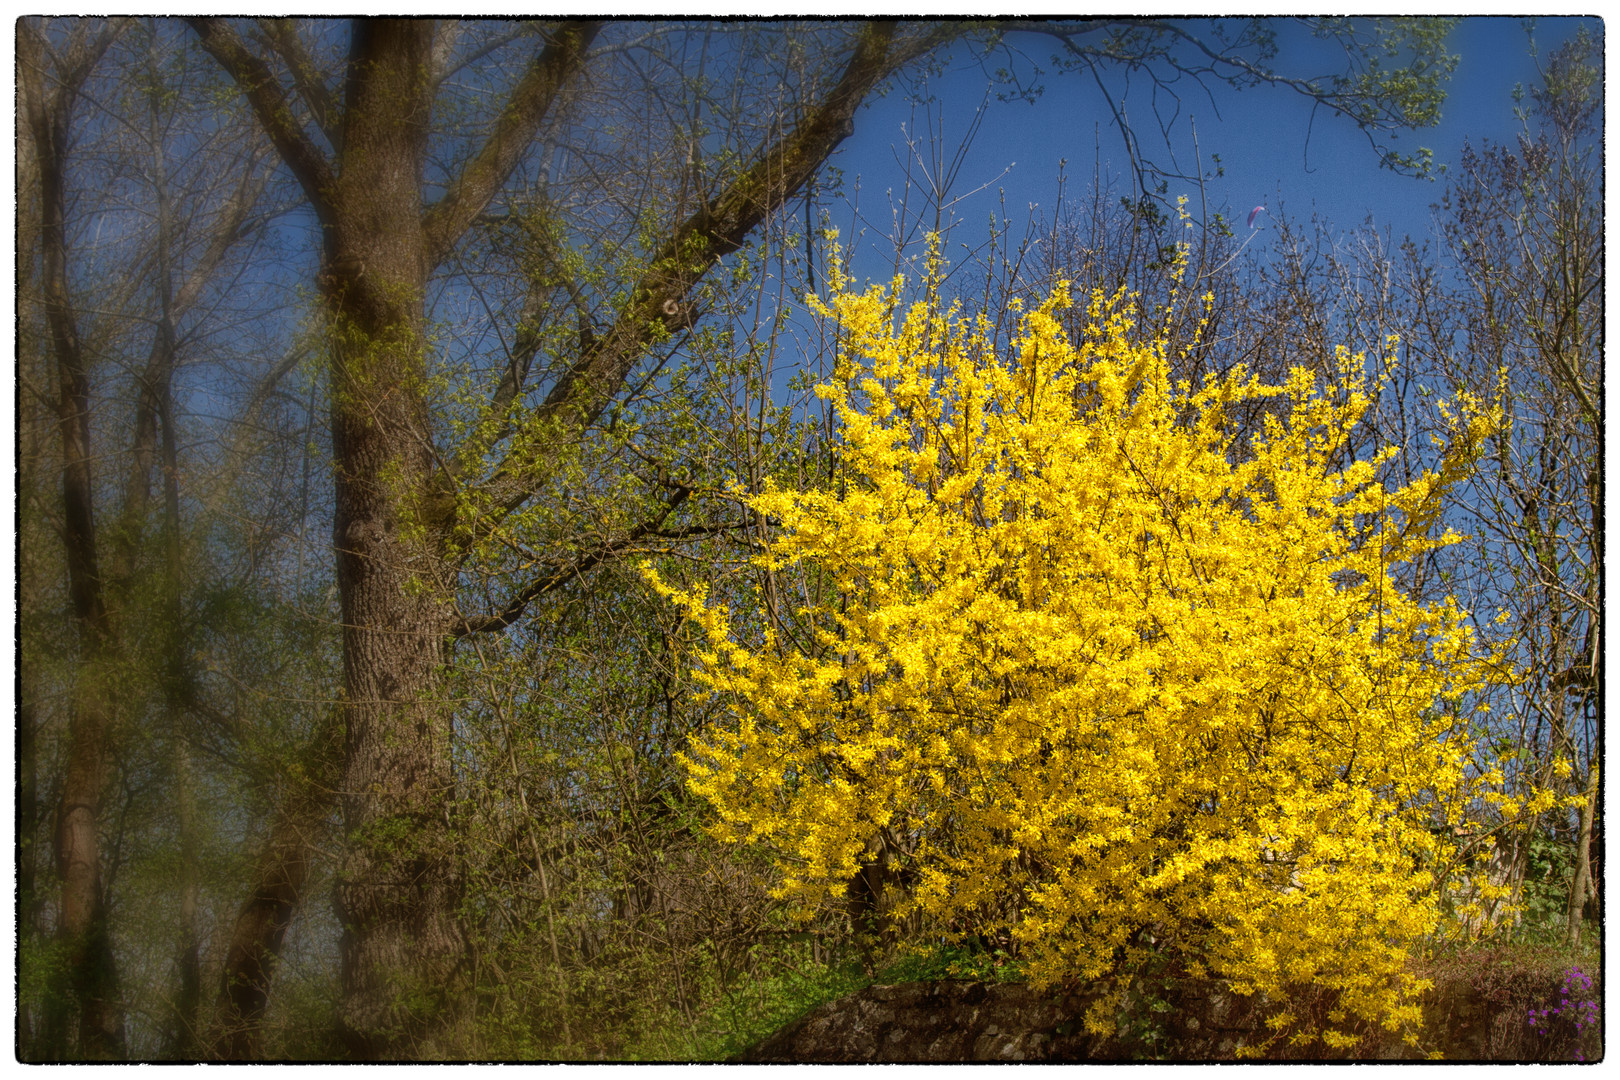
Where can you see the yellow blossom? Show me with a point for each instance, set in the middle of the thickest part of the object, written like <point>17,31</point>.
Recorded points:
<point>1084,653</point>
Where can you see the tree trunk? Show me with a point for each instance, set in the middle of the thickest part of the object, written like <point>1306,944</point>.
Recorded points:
<point>255,946</point>
<point>27,832</point>
<point>87,977</point>
<point>183,1031</point>
<point>276,890</point>
<point>398,890</point>
<point>1582,884</point>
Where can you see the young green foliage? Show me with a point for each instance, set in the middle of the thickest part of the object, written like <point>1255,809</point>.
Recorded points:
<point>1091,656</point>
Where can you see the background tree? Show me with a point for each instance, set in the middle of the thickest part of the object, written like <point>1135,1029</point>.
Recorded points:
<point>1524,231</point>
<point>85,976</point>
<point>122,296</point>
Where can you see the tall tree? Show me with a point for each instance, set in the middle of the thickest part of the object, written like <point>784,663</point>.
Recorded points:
<point>397,528</point>
<point>156,274</point>
<point>1526,232</point>
<point>49,82</point>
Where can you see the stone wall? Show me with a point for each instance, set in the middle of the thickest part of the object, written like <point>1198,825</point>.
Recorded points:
<point>1165,1019</point>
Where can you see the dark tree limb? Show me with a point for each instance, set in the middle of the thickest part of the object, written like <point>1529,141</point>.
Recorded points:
<point>283,37</point>
<point>658,301</point>
<point>528,108</point>
<point>264,93</point>
<point>276,890</point>
<point>560,574</point>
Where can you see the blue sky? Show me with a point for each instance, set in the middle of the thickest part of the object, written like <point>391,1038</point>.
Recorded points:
<point>1260,135</point>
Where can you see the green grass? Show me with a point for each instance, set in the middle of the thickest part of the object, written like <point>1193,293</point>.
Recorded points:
<point>746,1013</point>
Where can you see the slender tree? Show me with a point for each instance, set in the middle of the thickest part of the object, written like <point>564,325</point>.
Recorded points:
<point>121,517</point>
<point>1526,232</point>
<point>49,82</point>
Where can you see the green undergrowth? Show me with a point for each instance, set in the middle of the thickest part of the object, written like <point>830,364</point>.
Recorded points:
<point>745,1014</point>
<point>920,963</point>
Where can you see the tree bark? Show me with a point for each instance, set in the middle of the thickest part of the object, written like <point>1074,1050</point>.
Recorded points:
<point>398,890</point>
<point>1582,885</point>
<point>88,978</point>
<point>403,951</point>
<point>275,892</point>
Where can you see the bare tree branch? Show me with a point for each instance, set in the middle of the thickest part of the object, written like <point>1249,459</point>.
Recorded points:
<point>571,569</point>
<point>528,108</point>
<point>283,37</point>
<point>264,93</point>
<point>657,306</point>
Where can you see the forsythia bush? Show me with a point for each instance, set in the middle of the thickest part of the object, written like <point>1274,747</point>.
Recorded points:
<point>1080,653</point>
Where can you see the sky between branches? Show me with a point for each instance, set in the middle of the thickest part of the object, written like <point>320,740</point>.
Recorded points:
<point>1271,152</point>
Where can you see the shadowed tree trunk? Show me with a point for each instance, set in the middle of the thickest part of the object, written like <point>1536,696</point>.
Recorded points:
<point>398,887</point>
<point>87,979</point>
<point>1580,889</point>
<point>274,894</point>
<point>394,529</point>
